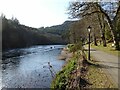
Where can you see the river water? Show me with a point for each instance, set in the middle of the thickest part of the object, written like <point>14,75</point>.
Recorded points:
<point>29,68</point>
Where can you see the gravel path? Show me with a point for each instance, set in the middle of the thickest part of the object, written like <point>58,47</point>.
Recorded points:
<point>109,63</point>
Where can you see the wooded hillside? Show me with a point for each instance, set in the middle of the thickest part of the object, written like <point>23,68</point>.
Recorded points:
<point>15,35</point>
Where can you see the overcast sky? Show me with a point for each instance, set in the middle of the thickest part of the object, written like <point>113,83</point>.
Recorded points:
<point>36,13</point>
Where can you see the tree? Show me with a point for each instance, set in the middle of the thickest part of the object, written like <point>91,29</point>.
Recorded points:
<point>72,33</point>
<point>82,9</point>
<point>78,31</point>
<point>102,26</point>
<point>15,20</point>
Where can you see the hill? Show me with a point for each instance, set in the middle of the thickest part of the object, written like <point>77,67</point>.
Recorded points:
<point>15,35</point>
<point>58,29</point>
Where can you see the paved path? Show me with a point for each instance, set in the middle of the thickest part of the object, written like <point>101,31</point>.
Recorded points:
<point>109,63</point>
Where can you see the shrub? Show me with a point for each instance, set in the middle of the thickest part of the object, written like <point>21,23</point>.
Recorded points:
<point>75,47</point>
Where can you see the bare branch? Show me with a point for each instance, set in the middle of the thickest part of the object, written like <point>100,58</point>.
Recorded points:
<point>117,13</point>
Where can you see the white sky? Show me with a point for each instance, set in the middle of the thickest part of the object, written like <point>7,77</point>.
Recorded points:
<point>36,13</point>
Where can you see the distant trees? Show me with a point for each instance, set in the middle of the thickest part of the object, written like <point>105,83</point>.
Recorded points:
<point>61,30</point>
<point>106,12</point>
<point>15,20</point>
<point>77,31</point>
<point>15,35</point>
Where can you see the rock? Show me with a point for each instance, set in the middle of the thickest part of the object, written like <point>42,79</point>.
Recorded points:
<point>70,55</point>
<point>65,55</point>
<point>65,49</point>
<point>61,57</point>
<point>67,59</point>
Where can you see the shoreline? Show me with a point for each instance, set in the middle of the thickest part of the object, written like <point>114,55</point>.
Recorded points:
<point>65,54</point>
<point>71,75</point>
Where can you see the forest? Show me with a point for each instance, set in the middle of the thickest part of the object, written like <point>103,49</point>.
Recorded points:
<point>16,35</point>
<point>95,46</point>
<point>102,17</point>
<point>91,51</point>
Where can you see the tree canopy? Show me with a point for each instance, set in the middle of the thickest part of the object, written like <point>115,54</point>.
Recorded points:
<point>109,11</point>
<point>15,35</point>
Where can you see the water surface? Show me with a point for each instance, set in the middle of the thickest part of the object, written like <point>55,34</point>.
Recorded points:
<point>28,67</point>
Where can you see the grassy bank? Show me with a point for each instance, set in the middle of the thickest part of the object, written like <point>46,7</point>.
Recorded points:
<point>62,78</point>
<point>97,76</point>
<point>80,73</point>
<point>109,49</point>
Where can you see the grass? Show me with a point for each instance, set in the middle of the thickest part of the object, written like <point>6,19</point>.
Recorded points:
<point>97,76</point>
<point>61,79</point>
<point>109,49</point>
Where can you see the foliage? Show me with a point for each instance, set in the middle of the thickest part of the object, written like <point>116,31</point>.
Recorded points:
<point>64,77</point>
<point>15,35</point>
<point>62,30</point>
<point>57,29</point>
<point>69,45</point>
<point>61,80</point>
<point>88,9</point>
<point>108,33</point>
<point>75,47</point>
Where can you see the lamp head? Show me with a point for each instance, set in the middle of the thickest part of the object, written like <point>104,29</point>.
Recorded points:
<point>89,29</point>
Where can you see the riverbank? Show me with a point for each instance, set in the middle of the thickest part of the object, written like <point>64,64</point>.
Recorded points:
<point>79,73</point>
<point>61,81</point>
<point>65,55</point>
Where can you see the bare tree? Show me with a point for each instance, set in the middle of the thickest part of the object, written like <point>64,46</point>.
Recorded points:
<point>102,26</point>
<point>82,9</point>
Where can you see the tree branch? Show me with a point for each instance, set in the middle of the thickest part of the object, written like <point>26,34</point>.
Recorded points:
<point>91,13</point>
<point>117,13</point>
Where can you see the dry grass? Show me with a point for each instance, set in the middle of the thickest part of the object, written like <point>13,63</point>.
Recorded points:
<point>98,78</point>
<point>70,75</point>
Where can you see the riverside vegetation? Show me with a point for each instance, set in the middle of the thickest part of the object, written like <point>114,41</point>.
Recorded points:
<point>79,73</point>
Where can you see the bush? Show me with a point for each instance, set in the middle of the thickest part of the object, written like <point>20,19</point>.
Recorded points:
<point>75,47</point>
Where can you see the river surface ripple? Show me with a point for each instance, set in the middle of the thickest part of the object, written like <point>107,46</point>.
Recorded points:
<point>28,67</point>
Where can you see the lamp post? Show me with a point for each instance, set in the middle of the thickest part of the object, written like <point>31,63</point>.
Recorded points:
<point>89,29</point>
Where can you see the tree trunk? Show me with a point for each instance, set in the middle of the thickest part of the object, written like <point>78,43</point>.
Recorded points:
<point>112,27</point>
<point>95,41</point>
<point>74,37</point>
<point>103,33</point>
<point>102,26</point>
<point>114,34</point>
<point>104,40</point>
<point>117,46</point>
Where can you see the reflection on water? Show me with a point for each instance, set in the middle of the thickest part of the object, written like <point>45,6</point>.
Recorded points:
<point>28,67</point>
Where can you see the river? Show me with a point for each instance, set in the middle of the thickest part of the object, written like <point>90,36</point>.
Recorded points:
<point>29,68</point>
